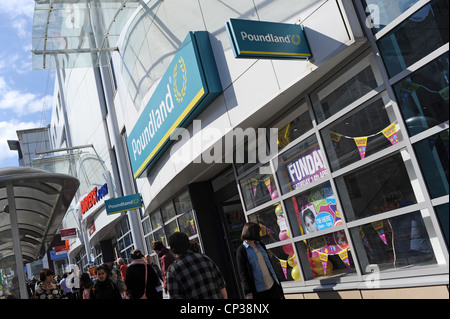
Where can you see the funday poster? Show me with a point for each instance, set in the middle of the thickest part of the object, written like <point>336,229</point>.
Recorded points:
<point>304,164</point>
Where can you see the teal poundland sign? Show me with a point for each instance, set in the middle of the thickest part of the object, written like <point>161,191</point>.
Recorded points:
<point>123,204</point>
<point>189,85</point>
<point>258,39</point>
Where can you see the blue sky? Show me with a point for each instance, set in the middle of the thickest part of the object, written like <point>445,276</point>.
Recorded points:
<point>25,95</point>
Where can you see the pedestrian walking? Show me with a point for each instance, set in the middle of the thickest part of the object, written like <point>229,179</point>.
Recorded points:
<point>86,284</point>
<point>141,279</point>
<point>104,288</point>
<point>166,258</point>
<point>63,284</point>
<point>256,272</point>
<point>47,288</point>
<point>193,275</point>
<point>123,268</point>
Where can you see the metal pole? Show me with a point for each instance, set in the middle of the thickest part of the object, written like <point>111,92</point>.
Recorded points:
<point>16,241</point>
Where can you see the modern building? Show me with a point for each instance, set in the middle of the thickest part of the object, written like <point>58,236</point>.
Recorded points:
<point>351,190</point>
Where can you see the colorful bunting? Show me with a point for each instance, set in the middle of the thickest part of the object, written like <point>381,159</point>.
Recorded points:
<point>324,259</point>
<point>283,264</point>
<point>379,227</point>
<point>335,137</point>
<point>344,257</point>
<point>361,143</point>
<point>391,134</point>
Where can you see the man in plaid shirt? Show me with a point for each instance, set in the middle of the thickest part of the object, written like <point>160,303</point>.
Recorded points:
<point>193,275</point>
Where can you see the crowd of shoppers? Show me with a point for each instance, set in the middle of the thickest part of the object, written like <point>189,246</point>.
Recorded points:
<point>185,273</point>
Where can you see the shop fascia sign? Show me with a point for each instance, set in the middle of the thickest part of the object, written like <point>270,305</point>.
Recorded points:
<point>188,86</point>
<point>267,40</point>
<point>93,197</point>
<point>68,233</point>
<point>123,204</point>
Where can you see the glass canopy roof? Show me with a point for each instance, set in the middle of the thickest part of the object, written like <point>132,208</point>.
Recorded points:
<point>40,201</point>
<point>77,33</point>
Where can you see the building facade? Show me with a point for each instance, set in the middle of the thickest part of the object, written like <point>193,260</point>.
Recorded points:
<point>351,190</point>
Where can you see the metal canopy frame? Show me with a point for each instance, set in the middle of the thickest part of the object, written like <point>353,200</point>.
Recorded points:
<point>33,203</point>
<point>77,33</point>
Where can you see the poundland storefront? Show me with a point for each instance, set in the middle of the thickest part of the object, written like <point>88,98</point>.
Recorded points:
<point>353,200</point>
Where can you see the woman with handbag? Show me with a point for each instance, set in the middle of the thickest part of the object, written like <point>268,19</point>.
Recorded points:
<point>141,280</point>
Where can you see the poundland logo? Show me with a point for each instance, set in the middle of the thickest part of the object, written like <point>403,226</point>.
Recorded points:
<point>267,40</point>
<point>183,92</point>
<point>270,37</point>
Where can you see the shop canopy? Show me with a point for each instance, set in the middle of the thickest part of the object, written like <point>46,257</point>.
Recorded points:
<point>77,33</point>
<point>33,203</point>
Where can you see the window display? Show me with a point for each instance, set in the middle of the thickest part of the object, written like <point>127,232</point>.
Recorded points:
<point>258,188</point>
<point>313,210</point>
<point>327,255</point>
<point>361,133</point>
<point>301,165</point>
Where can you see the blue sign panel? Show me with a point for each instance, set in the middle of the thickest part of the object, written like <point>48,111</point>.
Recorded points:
<point>259,39</point>
<point>55,256</point>
<point>123,204</point>
<point>189,85</point>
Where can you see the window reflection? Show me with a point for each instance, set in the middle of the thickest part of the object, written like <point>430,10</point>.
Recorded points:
<point>395,242</point>
<point>358,79</point>
<point>423,96</point>
<point>433,156</point>
<point>422,33</point>
<point>380,187</point>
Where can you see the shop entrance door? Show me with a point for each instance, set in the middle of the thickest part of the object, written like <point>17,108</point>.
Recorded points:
<point>229,207</point>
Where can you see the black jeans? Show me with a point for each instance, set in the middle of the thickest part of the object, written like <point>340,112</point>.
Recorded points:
<point>275,292</point>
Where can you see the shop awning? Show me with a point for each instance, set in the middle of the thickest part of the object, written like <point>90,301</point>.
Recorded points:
<point>77,33</point>
<point>33,203</point>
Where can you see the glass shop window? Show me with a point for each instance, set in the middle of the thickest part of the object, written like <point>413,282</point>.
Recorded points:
<point>313,210</point>
<point>383,12</point>
<point>168,211</point>
<point>301,165</point>
<point>417,36</point>
<point>423,96</point>
<point>187,224</point>
<point>393,243</point>
<point>433,156</point>
<point>293,125</point>
<point>356,80</point>
<point>258,188</point>
<point>284,263</point>
<point>443,217</point>
<point>325,256</point>
<point>156,219</point>
<point>171,228</point>
<point>183,203</point>
<point>363,132</point>
<point>272,222</point>
<point>377,188</point>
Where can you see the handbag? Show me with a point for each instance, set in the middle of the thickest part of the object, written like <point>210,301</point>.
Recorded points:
<point>144,296</point>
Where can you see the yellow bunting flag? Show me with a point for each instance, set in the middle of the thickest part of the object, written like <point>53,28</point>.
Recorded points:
<point>391,134</point>
<point>361,143</point>
<point>324,259</point>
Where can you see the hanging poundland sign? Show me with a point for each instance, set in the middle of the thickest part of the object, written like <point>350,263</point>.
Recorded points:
<point>258,39</point>
<point>123,204</point>
<point>189,85</point>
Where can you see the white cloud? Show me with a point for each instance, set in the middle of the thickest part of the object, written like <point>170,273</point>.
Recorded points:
<point>8,132</point>
<point>20,13</point>
<point>22,102</point>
